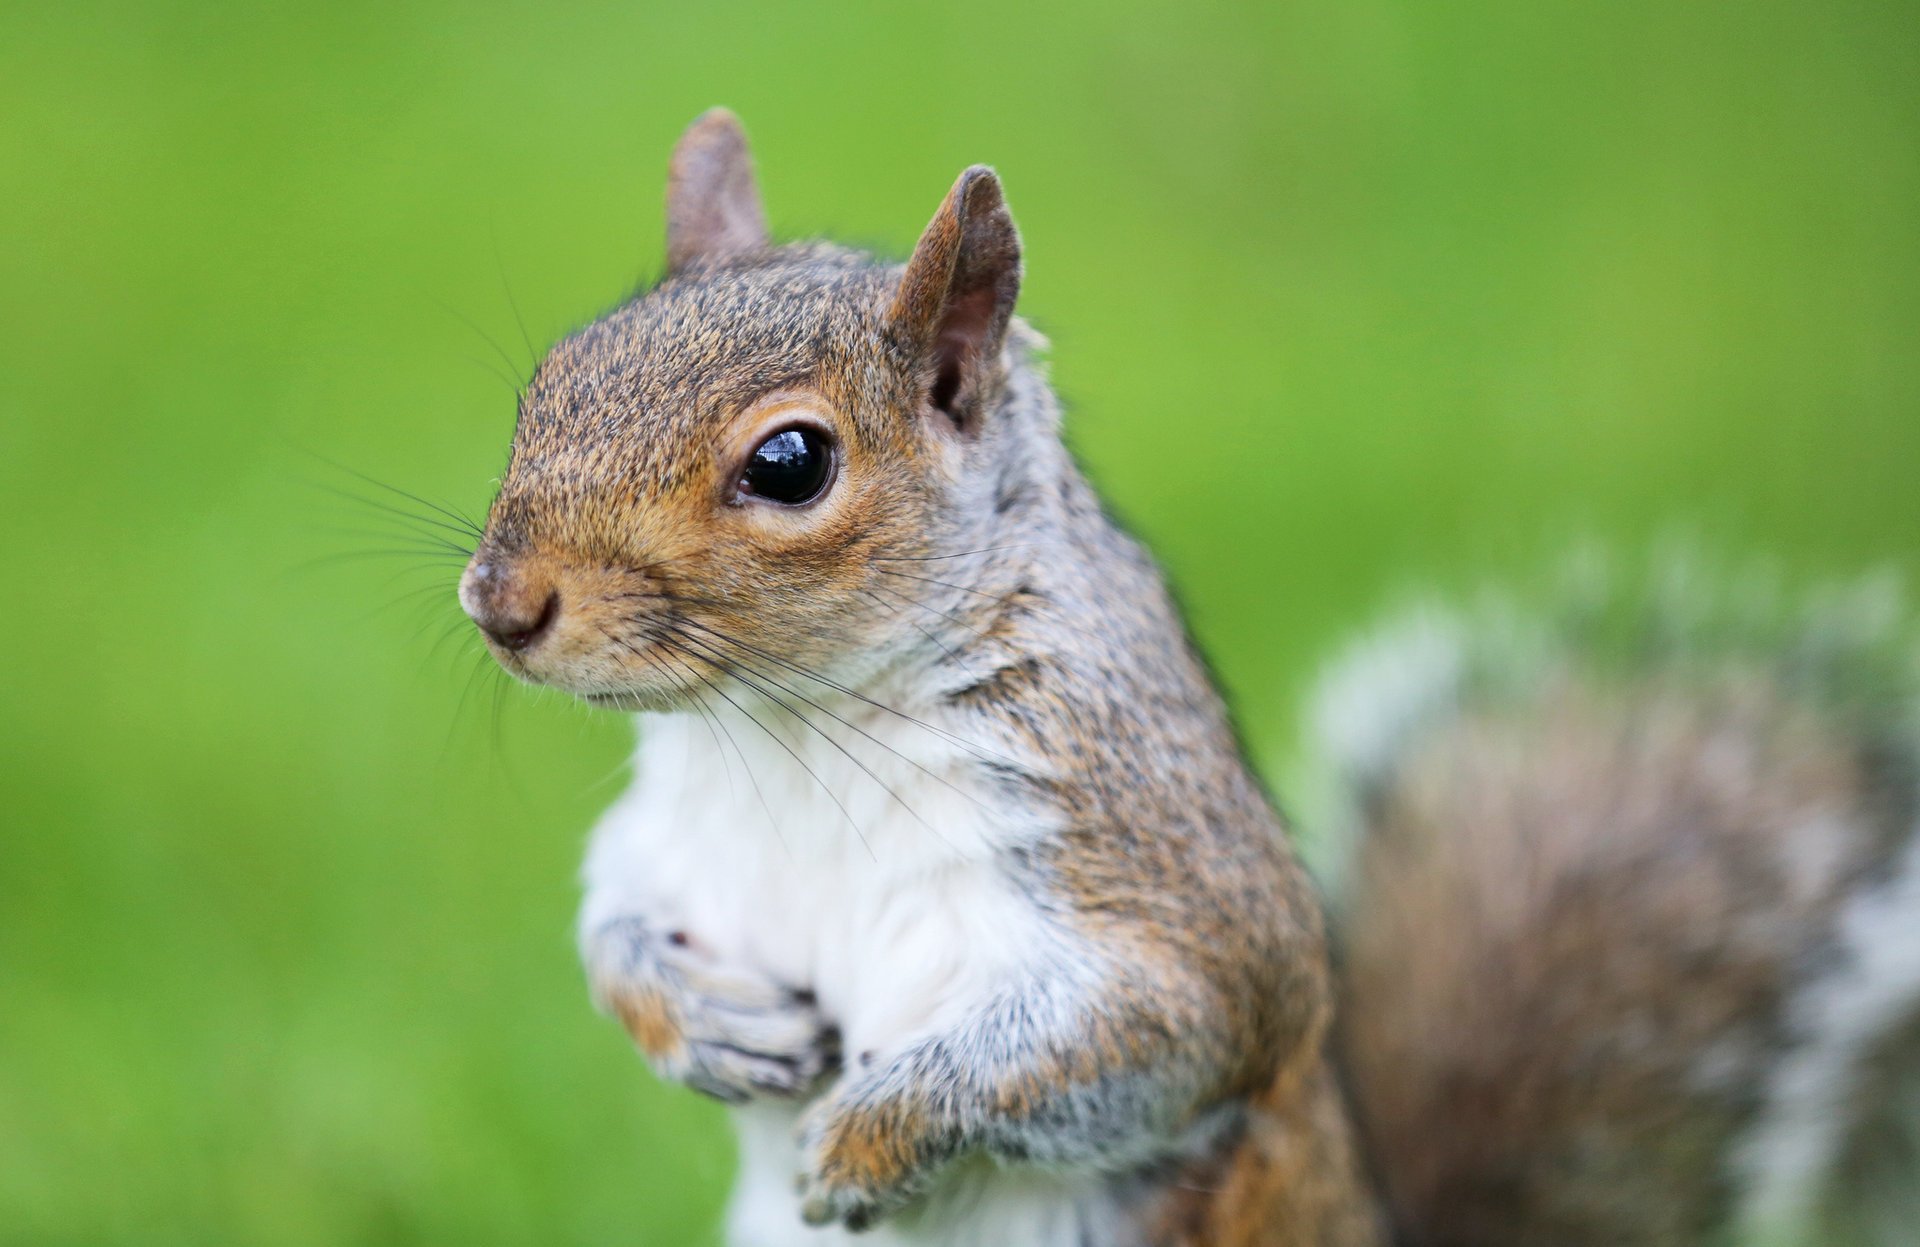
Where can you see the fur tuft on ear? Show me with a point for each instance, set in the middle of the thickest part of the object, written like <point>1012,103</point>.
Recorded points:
<point>959,289</point>
<point>713,203</point>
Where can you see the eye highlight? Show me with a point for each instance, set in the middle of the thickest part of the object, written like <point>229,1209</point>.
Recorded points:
<point>790,467</point>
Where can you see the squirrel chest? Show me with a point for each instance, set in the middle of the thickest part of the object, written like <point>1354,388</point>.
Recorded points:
<point>867,869</point>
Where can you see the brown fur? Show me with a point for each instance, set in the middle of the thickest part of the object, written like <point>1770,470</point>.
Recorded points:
<point>1291,1179</point>
<point>877,1148</point>
<point>651,1021</point>
<point>1574,924</point>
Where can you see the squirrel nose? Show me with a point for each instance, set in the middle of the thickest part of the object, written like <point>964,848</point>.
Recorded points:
<point>513,607</point>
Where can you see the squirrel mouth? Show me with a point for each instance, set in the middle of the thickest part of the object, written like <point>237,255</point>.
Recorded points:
<point>631,701</point>
<point>612,701</point>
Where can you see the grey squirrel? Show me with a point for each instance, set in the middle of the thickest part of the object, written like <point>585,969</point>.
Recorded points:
<point>943,867</point>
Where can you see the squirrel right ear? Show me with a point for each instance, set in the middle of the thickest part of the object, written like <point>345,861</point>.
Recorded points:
<point>958,292</point>
<point>713,204</point>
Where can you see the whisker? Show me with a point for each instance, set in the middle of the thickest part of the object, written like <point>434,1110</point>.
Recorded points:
<point>426,543</point>
<point>460,706</point>
<point>736,669</point>
<point>991,597</point>
<point>513,304</point>
<point>713,720</point>
<point>681,687</point>
<point>464,521</point>
<point>740,671</point>
<point>951,618</point>
<point>952,654</point>
<point>936,777</point>
<point>453,628</point>
<point>675,599</point>
<point>427,561</point>
<point>418,525</point>
<point>817,678</point>
<point>1038,602</point>
<point>774,736</point>
<point>854,727</point>
<point>496,739</point>
<point>494,370</point>
<point>935,558</point>
<point>404,598</point>
<point>503,761</point>
<point>513,370</point>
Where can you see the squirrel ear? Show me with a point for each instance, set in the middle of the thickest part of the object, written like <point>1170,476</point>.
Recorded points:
<point>957,296</point>
<point>713,205</point>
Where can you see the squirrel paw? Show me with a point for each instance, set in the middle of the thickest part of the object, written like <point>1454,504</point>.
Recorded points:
<point>860,1162</point>
<point>726,1032</point>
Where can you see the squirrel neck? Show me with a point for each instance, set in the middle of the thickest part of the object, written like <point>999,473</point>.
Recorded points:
<point>1027,531</point>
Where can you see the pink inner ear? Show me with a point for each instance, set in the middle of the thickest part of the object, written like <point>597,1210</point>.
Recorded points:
<point>964,326</point>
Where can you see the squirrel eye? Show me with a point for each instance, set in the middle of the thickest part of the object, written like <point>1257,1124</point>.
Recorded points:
<point>789,467</point>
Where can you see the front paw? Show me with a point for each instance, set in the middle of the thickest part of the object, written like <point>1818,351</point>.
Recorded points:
<point>861,1162</point>
<point>727,1032</point>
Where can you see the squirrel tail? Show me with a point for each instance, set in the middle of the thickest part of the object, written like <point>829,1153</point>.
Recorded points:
<point>1627,901</point>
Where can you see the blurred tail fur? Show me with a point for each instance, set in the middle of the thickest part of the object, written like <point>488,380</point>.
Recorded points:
<point>1628,899</point>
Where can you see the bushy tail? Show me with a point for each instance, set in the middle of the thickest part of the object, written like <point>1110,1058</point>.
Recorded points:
<point>1629,918</point>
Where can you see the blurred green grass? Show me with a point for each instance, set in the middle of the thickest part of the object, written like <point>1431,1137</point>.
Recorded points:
<point>1344,296</point>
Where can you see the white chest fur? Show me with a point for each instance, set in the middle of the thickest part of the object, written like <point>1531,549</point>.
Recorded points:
<point>858,860</point>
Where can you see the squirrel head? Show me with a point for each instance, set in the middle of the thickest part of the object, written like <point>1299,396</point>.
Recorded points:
<point>714,477</point>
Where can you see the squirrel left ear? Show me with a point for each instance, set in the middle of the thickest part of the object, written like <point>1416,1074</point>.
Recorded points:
<point>958,292</point>
<point>713,204</point>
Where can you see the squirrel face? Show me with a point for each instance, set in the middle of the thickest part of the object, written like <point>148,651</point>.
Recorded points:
<point>710,478</point>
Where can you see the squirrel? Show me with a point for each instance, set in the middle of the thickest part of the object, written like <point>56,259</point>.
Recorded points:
<point>943,867</point>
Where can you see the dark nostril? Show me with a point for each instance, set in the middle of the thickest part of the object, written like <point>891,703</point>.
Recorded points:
<point>519,638</point>
<point>516,636</point>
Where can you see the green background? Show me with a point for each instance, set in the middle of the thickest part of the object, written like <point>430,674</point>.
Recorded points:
<point>1345,297</point>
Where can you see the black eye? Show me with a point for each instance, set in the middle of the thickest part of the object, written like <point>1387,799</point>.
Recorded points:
<point>791,467</point>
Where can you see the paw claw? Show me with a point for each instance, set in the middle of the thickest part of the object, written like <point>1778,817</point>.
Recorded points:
<point>723,1031</point>
<point>730,1096</point>
<point>820,1206</point>
<point>856,1195</point>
